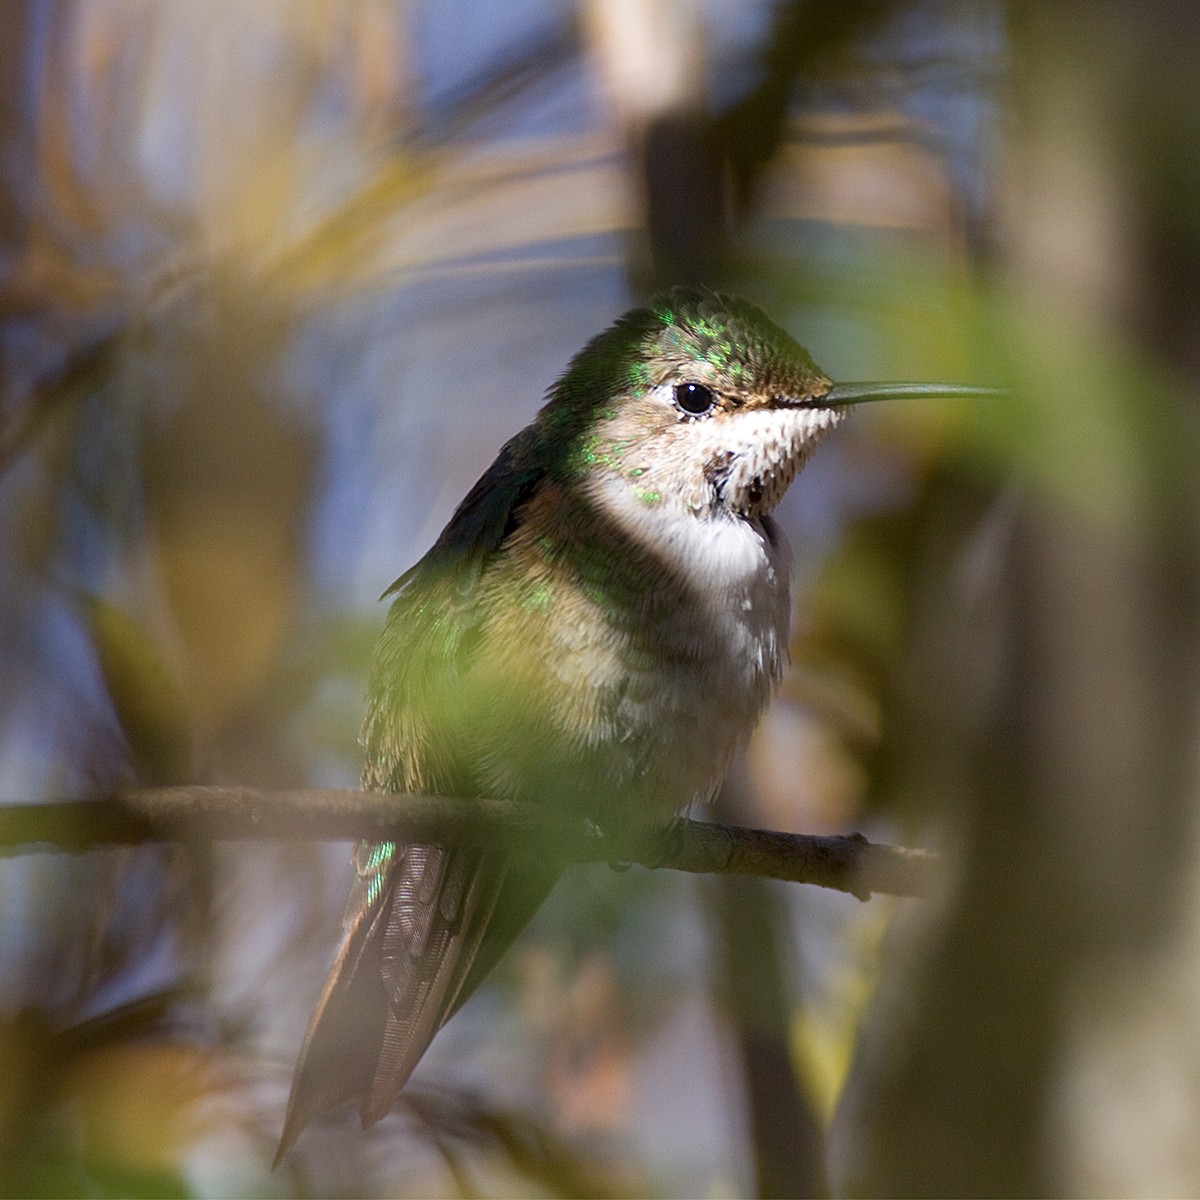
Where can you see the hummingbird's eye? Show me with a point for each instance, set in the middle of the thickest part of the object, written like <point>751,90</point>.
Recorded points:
<point>694,398</point>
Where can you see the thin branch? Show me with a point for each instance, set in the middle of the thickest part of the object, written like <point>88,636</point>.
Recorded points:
<point>848,864</point>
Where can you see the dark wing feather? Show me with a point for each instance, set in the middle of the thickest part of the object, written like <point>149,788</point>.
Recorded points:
<point>424,923</point>
<point>486,516</point>
<point>421,974</point>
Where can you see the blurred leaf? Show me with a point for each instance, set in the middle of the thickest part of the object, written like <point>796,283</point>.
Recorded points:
<point>1092,420</point>
<point>859,607</point>
<point>96,1108</point>
<point>140,1105</point>
<point>228,473</point>
<point>824,1032</point>
<point>144,693</point>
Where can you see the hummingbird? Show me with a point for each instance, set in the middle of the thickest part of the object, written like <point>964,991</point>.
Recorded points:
<point>597,630</point>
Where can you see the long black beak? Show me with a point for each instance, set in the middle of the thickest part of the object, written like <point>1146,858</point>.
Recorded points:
<point>866,393</point>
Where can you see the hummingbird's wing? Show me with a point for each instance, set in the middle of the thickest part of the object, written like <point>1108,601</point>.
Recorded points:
<point>424,923</point>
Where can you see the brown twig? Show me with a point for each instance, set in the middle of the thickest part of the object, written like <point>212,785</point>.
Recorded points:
<point>849,864</point>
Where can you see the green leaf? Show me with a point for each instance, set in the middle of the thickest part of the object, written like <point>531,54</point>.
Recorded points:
<point>145,694</point>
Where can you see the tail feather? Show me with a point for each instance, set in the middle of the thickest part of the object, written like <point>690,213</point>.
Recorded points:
<point>335,1062</point>
<point>425,926</point>
<point>427,975</point>
<point>416,920</point>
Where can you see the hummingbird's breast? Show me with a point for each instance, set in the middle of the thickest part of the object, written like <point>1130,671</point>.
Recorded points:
<point>639,645</point>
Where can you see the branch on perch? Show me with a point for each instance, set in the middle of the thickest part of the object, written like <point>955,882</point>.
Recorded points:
<point>849,864</point>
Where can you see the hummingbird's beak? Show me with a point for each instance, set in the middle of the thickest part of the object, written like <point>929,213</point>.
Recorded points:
<point>864,393</point>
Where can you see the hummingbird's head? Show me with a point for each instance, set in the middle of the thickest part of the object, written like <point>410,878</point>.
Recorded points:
<point>698,399</point>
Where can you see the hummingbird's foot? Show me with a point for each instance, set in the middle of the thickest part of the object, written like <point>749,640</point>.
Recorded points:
<point>666,844</point>
<point>654,847</point>
<point>594,831</point>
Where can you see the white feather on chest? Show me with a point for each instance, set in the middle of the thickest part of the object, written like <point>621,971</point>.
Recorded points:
<point>717,648</point>
<point>737,573</point>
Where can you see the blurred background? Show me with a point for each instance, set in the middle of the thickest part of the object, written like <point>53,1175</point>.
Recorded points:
<point>277,280</point>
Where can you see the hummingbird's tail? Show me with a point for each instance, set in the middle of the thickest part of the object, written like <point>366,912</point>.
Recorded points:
<point>424,926</point>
